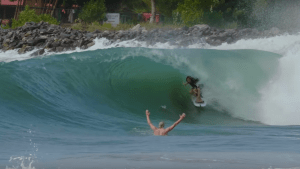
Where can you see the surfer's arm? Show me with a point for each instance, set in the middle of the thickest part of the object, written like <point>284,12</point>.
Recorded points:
<point>185,83</point>
<point>176,123</point>
<point>148,120</point>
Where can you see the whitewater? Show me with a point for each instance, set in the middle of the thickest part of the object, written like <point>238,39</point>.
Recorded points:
<point>86,108</point>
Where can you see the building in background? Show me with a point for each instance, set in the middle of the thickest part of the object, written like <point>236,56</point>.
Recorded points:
<point>11,10</point>
<point>7,10</point>
<point>146,17</point>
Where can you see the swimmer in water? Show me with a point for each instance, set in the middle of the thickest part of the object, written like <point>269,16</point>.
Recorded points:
<point>161,131</point>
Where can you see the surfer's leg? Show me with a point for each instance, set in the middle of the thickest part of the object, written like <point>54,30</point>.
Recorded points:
<point>192,92</point>
<point>199,100</point>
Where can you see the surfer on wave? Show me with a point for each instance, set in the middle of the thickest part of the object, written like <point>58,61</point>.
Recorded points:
<point>195,89</point>
<point>161,131</point>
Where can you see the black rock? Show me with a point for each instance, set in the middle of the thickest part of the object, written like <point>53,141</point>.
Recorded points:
<point>96,31</point>
<point>9,34</point>
<point>56,44</point>
<point>38,53</point>
<point>19,45</point>
<point>229,40</point>
<point>59,49</point>
<point>49,45</point>
<point>185,28</point>
<point>44,32</point>
<point>80,42</point>
<point>90,44</point>
<point>13,44</point>
<point>33,42</point>
<point>52,50</point>
<point>25,49</point>
<point>83,47</point>
<point>88,35</point>
<point>68,30</point>
<point>63,35</point>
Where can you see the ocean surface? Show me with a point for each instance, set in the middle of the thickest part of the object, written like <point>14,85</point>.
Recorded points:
<point>86,108</point>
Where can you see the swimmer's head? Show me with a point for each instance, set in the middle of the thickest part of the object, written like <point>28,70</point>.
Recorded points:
<point>161,124</point>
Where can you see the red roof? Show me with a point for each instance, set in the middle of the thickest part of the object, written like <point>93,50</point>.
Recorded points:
<point>7,2</point>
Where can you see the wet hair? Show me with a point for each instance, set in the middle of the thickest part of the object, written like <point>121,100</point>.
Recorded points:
<point>193,80</point>
<point>161,124</point>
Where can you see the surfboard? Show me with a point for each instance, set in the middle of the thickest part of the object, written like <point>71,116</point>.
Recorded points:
<point>198,104</point>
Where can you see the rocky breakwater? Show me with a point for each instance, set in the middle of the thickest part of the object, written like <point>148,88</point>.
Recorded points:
<point>198,34</point>
<point>54,38</point>
<point>44,36</point>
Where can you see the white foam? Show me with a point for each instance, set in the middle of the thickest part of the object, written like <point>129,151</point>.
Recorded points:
<point>280,97</point>
<point>278,44</point>
<point>280,102</point>
<point>22,162</point>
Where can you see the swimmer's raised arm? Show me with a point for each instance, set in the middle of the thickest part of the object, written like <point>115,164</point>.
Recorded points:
<point>181,117</point>
<point>148,120</point>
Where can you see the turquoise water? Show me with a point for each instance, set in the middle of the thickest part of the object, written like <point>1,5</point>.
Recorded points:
<point>74,110</point>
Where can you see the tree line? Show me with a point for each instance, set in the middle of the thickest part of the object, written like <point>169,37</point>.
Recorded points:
<point>261,14</point>
<point>219,13</point>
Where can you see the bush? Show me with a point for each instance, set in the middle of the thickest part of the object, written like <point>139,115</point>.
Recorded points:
<point>195,12</point>
<point>5,27</point>
<point>93,11</point>
<point>29,15</point>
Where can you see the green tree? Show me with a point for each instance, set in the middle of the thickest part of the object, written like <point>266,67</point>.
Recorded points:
<point>93,11</point>
<point>29,15</point>
<point>198,11</point>
<point>166,7</point>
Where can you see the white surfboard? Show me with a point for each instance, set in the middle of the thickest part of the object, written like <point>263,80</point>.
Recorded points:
<point>198,104</point>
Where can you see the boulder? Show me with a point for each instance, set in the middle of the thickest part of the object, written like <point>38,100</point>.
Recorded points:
<point>64,35</point>
<point>25,49</point>
<point>229,40</point>
<point>59,49</point>
<point>44,32</point>
<point>80,42</point>
<point>28,34</point>
<point>136,27</point>
<point>33,42</point>
<point>56,43</point>
<point>202,27</point>
<point>9,34</point>
<point>38,53</point>
<point>144,31</point>
<point>52,50</point>
<point>105,33</point>
<point>19,45</point>
<point>90,44</point>
<point>88,35</point>
<point>83,47</point>
<point>96,31</point>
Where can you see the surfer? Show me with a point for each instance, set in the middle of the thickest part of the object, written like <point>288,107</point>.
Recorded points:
<point>161,131</point>
<point>195,89</point>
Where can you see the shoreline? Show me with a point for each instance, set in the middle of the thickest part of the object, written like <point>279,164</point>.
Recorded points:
<point>55,38</point>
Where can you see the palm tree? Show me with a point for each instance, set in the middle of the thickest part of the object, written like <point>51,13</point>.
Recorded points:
<point>153,11</point>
